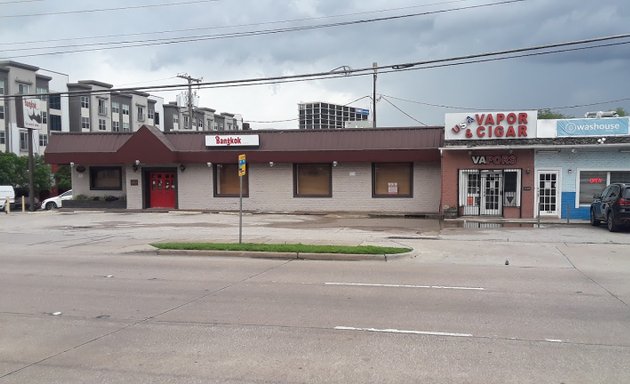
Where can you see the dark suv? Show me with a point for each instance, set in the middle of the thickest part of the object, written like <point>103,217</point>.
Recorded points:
<point>612,206</point>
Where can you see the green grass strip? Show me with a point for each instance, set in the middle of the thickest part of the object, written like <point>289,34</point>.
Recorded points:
<point>301,248</point>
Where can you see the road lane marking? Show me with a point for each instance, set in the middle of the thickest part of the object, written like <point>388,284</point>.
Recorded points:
<point>554,340</point>
<point>405,286</point>
<point>403,331</point>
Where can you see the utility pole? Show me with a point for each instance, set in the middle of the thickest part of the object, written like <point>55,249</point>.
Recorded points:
<point>190,95</point>
<point>374,66</point>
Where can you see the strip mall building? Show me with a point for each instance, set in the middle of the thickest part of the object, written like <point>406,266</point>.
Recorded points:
<point>350,170</point>
<point>503,164</point>
<point>511,164</point>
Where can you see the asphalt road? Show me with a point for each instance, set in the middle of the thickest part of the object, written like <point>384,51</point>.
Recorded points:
<point>79,304</point>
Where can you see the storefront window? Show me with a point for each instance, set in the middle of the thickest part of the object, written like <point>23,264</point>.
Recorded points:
<point>620,177</point>
<point>106,178</point>
<point>392,179</point>
<point>312,180</point>
<point>227,183</point>
<point>511,187</point>
<point>591,183</point>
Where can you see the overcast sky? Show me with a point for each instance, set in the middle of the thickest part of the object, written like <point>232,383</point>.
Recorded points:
<point>424,95</point>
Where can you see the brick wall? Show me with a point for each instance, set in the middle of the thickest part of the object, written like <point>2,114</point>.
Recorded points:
<point>271,190</point>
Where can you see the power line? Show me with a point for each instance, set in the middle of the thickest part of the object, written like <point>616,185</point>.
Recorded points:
<point>101,46</point>
<point>453,61</point>
<point>403,112</point>
<point>230,26</point>
<point>297,118</point>
<point>108,9</point>
<point>19,2</point>
<point>573,106</point>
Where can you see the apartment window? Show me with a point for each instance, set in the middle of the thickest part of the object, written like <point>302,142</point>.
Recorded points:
<point>210,125</point>
<point>102,125</point>
<point>102,107</point>
<point>186,125</point>
<point>55,123</point>
<point>140,112</point>
<point>44,117</point>
<point>126,127</point>
<point>392,179</point>
<point>115,126</point>
<point>156,119</point>
<point>226,181</point>
<point>23,141</point>
<point>24,89</point>
<point>106,178</point>
<point>125,109</point>
<point>3,138</point>
<point>115,107</point>
<point>312,180</point>
<point>2,87</point>
<point>54,101</point>
<point>85,102</point>
<point>41,91</point>
<point>200,124</point>
<point>43,140</point>
<point>175,119</point>
<point>1,111</point>
<point>150,113</point>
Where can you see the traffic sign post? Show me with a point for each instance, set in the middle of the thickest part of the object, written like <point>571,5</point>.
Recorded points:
<point>242,171</point>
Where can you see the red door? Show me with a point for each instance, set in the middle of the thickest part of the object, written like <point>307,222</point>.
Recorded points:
<point>162,190</point>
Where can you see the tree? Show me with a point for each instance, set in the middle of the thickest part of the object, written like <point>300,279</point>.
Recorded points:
<point>62,178</point>
<point>14,171</point>
<point>621,112</point>
<point>547,113</point>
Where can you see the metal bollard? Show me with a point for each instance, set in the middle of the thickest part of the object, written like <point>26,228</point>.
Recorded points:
<point>23,204</point>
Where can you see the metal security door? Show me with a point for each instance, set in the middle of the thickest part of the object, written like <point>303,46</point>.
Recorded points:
<point>491,193</point>
<point>548,200</point>
<point>162,186</point>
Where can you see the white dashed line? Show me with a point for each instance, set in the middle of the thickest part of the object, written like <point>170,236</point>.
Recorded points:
<point>554,340</point>
<point>405,286</point>
<point>403,331</point>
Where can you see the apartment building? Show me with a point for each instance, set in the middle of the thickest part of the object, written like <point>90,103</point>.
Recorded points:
<point>176,118</point>
<point>94,107</point>
<point>19,114</point>
<point>319,115</point>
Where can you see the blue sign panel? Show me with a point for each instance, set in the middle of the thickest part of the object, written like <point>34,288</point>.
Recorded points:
<point>592,127</point>
<point>362,111</point>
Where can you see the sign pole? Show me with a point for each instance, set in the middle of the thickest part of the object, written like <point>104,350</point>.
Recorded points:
<point>242,171</point>
<point>240,210</point>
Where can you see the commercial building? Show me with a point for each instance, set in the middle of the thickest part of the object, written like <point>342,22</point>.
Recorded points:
<point>318,115</point>
<point>512,165</point>
<point>395,170</point>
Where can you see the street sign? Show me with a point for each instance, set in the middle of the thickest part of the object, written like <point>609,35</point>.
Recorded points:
<point>242,165</point>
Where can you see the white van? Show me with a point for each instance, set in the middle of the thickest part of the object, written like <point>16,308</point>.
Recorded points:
<point>6,191</point>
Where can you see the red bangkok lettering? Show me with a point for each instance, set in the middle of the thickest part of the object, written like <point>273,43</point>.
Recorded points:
<point>227,140</point>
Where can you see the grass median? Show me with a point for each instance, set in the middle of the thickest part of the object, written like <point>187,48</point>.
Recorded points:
<point>293,248</point>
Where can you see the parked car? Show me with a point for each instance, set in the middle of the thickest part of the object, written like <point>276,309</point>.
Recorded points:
<point>56,201</point>
<point>6,192</point>
<point>612,206</point>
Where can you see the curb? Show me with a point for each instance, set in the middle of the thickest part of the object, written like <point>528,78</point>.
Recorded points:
<point>277,255</point>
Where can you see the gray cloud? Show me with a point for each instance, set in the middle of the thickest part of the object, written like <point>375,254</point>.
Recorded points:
<point>581,77</point>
